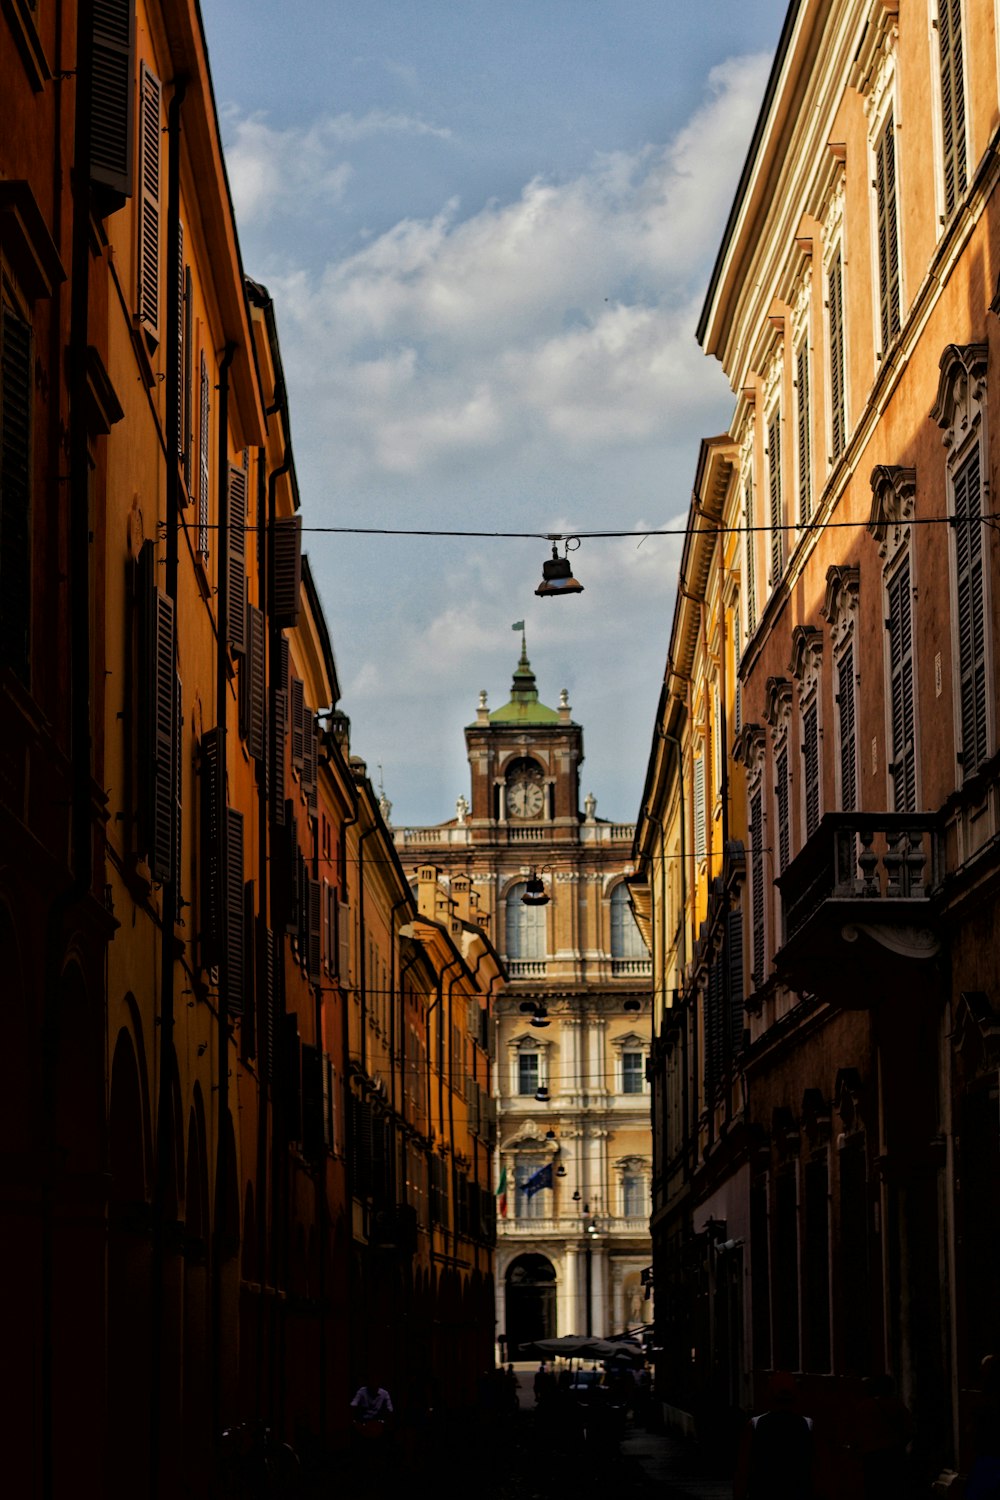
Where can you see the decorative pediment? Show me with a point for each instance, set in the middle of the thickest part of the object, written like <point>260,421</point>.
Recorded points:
<point>778,710</point>
<point>871,73</point>
<point>807,657</point>
<point>894,490</point>
<point>749,747</point>
<point>838,608</point>
<point>528,1137</point>
<point>632,1164</point>
<point>630,1042</point>
<point>528,1043</point>
<point>847,1096</point>
<point>961,390</point>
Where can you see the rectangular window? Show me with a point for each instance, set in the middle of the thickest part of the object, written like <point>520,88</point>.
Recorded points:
<point>903,767</point>
<point>716,740</point>
<point>203,443</point>
<point>633,1072</point>
<point>777,503</point>
<point>810,768</point>
<point>847,731</point>
<point>781,803</point>
<point>760,1276</point>
<point>804,414</point>
<point>816,1268</point>
<point>528,1075</point>
<point>700,834</point>
<point>757,885</point>
<point>835,305</point>
<point>786,1272</point>
<point>633,1197</point>
<point>855,1317</point>
<point>952,101</point>
<point>537,1205</point>
<point>751,536</point>
<point>887,230</point>
<point>968,528</point>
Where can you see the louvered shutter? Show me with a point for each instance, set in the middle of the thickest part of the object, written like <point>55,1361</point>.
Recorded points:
<point>804,412</point>
<point>757,885</point>
<point>751,543</point>
<point>774,483</point>
<point>343,942</point>
<point>329,926</point>
<point>248,1033</point>
<point>329,1106</point>
<point>233,975</point>
<point>848,732</point>
<point>181,352</point>
<point>210,886</point>
<point>313,1102</point>
<point>291,1076</point>
<point>781,800</point>
<point>203,443</point>
<point>835,303</point>
<point>187,400</point>
<point>298,716</point>
<point>290,872</point>
<point>284,656</point>
<point>150,127</point>
<point>178,790</point>
<point>111,123</point>
<point>737,658</point>
<point>236,583</point>
<point>903,765</point>
<point>968,530</point>
<point>286,570</point>
<point>700,833</point>
<point>713,1023</point>
<point>314,947</point>
<point>279,717</point>
<point>952,101</point>
<point>887,233</point>
<point>157,695</point>
<point>16,387</point>
<point>810,768</point>
<point>734,958</point>
<point>267,960</point>
<point>252,685</point>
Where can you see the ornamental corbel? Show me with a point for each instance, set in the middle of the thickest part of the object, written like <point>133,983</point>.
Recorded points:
<point>749,747</point>
<point>843,582</point>
<point>894,489</point>
<point>807,656</point>
<point>778,709</point>
<point>961,390</point>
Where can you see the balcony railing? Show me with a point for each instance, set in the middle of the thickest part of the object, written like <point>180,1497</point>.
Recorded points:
<point>570,1226</point>
<point>526,968</point>
<point>620,966</point>
<point>862,857</point>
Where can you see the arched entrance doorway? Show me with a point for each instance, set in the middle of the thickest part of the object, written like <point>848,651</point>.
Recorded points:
<point>531,1302</point>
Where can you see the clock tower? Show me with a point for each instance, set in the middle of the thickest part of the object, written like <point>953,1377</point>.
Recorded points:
<point>525,762</point>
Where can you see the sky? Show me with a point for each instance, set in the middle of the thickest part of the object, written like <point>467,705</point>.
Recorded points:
<point>488,228</point>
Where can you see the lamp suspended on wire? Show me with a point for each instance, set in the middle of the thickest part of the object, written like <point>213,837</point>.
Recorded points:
<point>557,575</point>
<point>534,892</point>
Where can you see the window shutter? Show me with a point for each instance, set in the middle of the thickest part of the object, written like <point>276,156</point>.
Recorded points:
<point>781,799</point>
<point>734,945</point>
<point>903,768</point>
<point>286,570</point>
<point>888,233</point>
<point>283,671</point>
<point>810,756</point>
<point>181,354</point>
<point>314,947</point>
<point>737,658</point>
<point>248,1035</point>
<point>186,375</point>
<point>835,301</point>
<point>757,885</point>
<point>848,749</point>
<point>804,433</point>
<point>234,911</point>
<point>329,1106</point>
<point>252,685</point>
<point>236,588</point>
<point>971,612</point>
<point>279,716</point>
<point>268,958</point>
<point>16,387</point>
<point>774,482</point>
<point>150,128</point>
<point>158,728</point>
<point>751,542</point>
<point>952,101</point>
<point>700,837</point>
<point>329,926</point>
<point>178,789</point>
<point>203,437</point>
<point>713,1023</point>
<point>298,724</point>
<point>343,942</point>
<point>210,886</point>
<point>313,1102</point>
<point>111,128</point>
<point>310,759</point>
<point>291,1075</point>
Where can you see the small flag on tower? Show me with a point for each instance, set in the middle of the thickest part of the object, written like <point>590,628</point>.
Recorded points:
<point>501,1193</point>
<point>517,625</point>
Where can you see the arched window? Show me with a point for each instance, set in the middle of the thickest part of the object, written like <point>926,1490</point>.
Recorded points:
<point>626,939</point>
<point>525,926</point>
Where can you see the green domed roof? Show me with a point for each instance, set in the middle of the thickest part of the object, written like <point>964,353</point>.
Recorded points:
<point>524,707</point>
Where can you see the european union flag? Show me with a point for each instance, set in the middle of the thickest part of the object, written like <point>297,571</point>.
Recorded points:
<point>538,1180</point>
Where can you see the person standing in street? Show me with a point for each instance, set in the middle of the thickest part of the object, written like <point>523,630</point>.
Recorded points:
<point>776,1456</point>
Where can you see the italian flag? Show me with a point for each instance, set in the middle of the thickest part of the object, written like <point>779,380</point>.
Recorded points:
<point>501,1193</point>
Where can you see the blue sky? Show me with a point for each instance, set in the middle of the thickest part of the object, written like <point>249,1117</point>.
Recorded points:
<point>487,229</point>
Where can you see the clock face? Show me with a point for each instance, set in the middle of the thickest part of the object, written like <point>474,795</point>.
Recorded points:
<point>524,799</point>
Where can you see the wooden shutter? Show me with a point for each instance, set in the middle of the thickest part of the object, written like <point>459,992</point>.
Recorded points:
<point>203,440</point>
<point>781,800</point>
<point>713,1023</point>
<point>804,433</point>
<point>810,768</point>
<point>181,353</point>
<point>234,911</point>
<point>298,716</point>
<point>310,759</point>
<point>248,1033</point>
<point>848,747</point>
<point>187,377</point>
<point>343,942</point>
<point>279,718</point>
<point>286,570</point>
<point>751,544</point>
<point>236,581</point>
<point>968,529</point>
<point>329,1106</point>
<point>903,767</point>
<point>283,670</point>
<point>268,958</point>
<point>150,129</point>
<point>774,487</point>
<point>952,101</point>
<point>252,686</point>
<point>157,738</point>
<point>737,658</point>
<point>734,958</point>
<point>16,405</point>
<point>111,124</point>
<point>887,232</point>
<point>210,886</point>
<point>835,305</point>
<point>291,1076</point>
<point>178,789</point>
<point>700,834</point>
<point>314,947</point>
